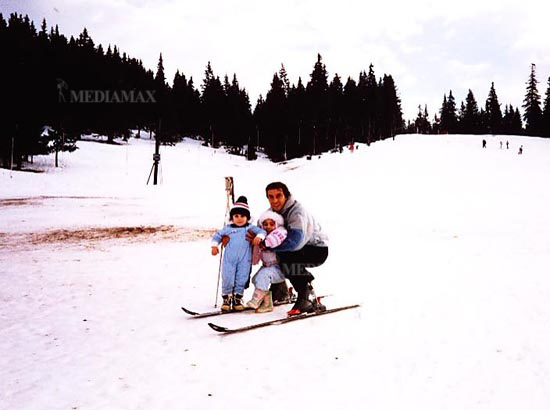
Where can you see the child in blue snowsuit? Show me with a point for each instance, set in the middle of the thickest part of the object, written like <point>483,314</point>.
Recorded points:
<point>237,261</point>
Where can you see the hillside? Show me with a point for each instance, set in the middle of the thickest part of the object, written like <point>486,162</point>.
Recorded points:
<point>444,244</point>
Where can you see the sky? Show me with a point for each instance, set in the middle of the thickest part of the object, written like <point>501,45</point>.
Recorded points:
<point>428,46</point>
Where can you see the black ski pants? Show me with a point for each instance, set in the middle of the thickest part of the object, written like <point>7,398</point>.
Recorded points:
<point>294,264</point>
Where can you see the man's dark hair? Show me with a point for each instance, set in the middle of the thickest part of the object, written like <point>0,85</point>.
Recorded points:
<point>278,185</point>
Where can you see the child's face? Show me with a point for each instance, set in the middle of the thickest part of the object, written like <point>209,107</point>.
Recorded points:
<point>239,220</point>
<point>268,225</point>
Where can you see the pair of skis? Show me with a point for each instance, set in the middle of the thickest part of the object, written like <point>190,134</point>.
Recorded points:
<point>226,330</point>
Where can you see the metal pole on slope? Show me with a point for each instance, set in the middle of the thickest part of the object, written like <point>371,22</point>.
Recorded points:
<point>12,147</point>
<point>156,158</point>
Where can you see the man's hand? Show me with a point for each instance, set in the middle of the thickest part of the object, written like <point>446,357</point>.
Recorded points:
<point>215,250</point>
<point>256,241</point>
<point>225,240</point>
<point>250,235</point>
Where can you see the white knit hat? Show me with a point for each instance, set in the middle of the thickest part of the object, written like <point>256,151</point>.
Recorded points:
<point>278,219</point>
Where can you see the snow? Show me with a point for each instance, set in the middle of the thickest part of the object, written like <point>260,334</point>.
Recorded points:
<point>444,244</point>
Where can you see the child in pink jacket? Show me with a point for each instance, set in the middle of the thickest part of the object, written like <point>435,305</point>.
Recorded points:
<point>270,272</point>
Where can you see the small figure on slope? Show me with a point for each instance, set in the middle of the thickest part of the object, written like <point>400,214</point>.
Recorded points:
<point>270,272</point>
<point>237,260</point>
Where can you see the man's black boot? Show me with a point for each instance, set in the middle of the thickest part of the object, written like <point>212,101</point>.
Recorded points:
<point>279,292</point>
<point>303,304</point>
<point>306,302</point>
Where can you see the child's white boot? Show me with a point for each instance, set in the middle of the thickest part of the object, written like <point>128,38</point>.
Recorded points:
<point>267,304</point>
<point>257,298</point>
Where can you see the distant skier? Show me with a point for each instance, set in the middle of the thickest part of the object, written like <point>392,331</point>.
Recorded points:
<point>484,144</point>
<point>500,144</point>
<point>237,260</point>
<point>507,145</point>
<point>351,147</point>
<point>520,150</point>
<point>270,272</point>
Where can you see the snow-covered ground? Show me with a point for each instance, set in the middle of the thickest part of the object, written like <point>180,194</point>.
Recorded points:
<point>445,245</point>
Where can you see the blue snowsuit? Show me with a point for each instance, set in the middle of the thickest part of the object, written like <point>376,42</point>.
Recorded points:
<point>237,260</point>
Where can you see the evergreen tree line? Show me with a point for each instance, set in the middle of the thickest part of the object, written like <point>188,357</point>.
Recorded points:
<point>297,120</point>
<point>75,88</point>
<point>42,68</point>
<point>472,119</point>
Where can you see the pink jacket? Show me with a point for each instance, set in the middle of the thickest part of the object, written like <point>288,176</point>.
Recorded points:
<point>274,239</point>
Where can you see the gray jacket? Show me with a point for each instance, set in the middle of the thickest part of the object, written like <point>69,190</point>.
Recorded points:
<point>302,228</point>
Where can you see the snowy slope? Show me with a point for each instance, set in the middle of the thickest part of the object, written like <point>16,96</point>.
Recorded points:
<point>444,244</point>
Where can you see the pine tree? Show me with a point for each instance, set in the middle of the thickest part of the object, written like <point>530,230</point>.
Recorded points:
<point>493,112</point>
<point>371,107</point>
<point>238,117</point>
<point>162,123</point>
<point>43,29</point>
<point>352,111</point>
<point>517,125</point>
<point>273,126</point>
<point>160,77</point>
<point>284,78</point>
<point>546,112</point>
<point>363,108</point>
<point>297,120</point>
<point>184,103</point>
<point>461,116</point>
<point>213,102</point>
<point>448,114</point>
<point>336,106</point>
<point>471,117</point>
<point>391,118</point>
<point>531,104</point>
<point>317,96</point>
<point>511,121</point>
<point>436,124</point>
<point>422,122</point>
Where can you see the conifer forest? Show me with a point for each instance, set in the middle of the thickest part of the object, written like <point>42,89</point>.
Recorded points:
<point>61,88</point>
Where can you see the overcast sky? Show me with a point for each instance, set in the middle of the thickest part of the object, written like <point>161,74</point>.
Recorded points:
<point>428,46</point>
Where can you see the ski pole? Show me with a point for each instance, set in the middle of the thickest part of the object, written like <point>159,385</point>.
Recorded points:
<point>219,274</point>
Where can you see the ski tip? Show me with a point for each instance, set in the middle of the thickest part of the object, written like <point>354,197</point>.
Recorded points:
<point>218,328</point>
<point>189,312</point>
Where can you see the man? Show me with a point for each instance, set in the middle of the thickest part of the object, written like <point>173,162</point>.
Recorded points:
<point>306,246</point>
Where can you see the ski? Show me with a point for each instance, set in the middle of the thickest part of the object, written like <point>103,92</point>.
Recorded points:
<point>226,330</point>
<point>199,315</point>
